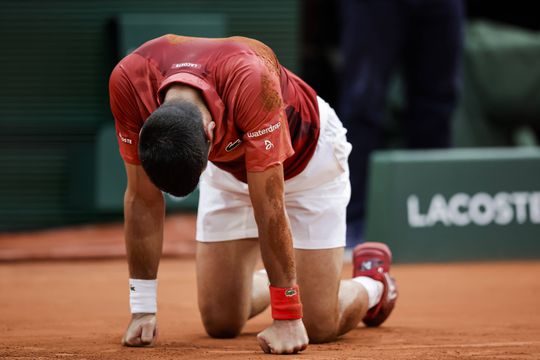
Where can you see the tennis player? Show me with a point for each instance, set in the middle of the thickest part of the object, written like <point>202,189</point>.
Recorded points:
<point>276,184</point>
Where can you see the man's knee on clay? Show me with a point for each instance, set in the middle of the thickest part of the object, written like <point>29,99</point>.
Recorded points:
<point>221,323</point>
<point>320,330</point>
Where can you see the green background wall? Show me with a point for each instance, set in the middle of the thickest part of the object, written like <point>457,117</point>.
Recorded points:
<point>55,61</point>
<point>504,223</point>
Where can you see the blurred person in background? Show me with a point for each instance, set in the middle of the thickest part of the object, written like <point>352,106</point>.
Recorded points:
<point>423,38</point>
<point>271,157</point>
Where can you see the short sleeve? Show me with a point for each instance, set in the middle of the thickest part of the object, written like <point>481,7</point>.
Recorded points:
<point>258,110</point>
<point>128,119</point>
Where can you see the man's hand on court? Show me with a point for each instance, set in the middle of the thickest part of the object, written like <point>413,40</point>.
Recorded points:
<point>142,330</point>
<point>284,337</point>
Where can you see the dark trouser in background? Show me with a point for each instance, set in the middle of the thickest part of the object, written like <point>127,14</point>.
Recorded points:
<point>424,38</point>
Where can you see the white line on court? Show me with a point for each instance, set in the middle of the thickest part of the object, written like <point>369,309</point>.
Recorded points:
<point>481,345</point>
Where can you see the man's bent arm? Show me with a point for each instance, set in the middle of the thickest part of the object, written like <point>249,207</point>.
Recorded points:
<point>266,190</point>
<point>144,214</point>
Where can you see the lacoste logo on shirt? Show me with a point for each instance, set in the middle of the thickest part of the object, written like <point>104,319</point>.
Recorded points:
<point>233,145</point>
<point>185,64</point>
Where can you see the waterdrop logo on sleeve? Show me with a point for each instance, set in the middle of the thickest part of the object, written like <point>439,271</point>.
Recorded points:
<point>480,209</point>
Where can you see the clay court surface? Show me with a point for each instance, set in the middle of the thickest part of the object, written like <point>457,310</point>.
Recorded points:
<point>78,309</point>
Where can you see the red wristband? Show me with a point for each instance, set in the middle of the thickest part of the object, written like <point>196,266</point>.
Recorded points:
<point>285,303</point>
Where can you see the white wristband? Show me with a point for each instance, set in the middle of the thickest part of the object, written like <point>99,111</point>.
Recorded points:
<point>142,296</point>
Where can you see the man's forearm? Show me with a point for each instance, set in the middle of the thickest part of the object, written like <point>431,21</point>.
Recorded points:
<point>277,250</point>
<point>275,238</point>
<point>143,221</point>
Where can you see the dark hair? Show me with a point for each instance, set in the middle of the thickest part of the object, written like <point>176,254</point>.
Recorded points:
<point>173,148</point>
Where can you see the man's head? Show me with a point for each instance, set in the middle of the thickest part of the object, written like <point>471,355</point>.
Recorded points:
<point>173,147</point>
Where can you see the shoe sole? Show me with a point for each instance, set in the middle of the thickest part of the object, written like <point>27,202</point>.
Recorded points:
<point>376,249</point>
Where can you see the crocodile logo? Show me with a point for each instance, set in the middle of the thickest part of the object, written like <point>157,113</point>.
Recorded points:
<point>233,145</point>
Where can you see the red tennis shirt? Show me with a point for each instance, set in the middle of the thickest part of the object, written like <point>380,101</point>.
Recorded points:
<point>264,114</point>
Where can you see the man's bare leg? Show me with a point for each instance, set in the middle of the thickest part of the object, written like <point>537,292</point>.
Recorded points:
<point>353,305</point>
<point>260,295</point>
<point>331,307</point>
<point>228,291</point>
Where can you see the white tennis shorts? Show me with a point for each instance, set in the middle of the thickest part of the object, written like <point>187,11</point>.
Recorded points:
<point>316,199</point>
